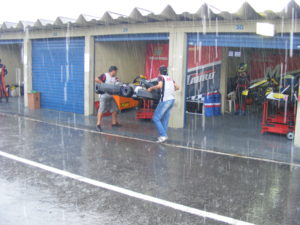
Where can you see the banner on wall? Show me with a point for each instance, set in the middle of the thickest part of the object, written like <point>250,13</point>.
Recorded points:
<point>204,70</point>
<point>157,55</point>
<point>272,65</point>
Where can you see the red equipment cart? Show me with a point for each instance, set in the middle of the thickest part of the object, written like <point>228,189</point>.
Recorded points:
<point>146,111</point>
<point>281,121</point>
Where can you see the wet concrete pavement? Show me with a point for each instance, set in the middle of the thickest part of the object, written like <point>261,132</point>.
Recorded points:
<point>249,190</point>
<point>35,197</point>
<point>228,134</point>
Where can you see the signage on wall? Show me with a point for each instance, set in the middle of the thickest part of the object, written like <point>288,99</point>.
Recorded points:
<point>265,29</point>
<point>234,54</point>
<point>204,70</point>
<point>203,79</point>
<point>270,65</point>
<point>157,55</point>
<point>157,51</point>
<point>239,27</point>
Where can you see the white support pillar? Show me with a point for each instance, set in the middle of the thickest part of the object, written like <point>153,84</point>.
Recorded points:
<point>224,76</point>
<point>27,65</point>
<point>177,70</point>
<point>297,129</point>
<point>88,75</point>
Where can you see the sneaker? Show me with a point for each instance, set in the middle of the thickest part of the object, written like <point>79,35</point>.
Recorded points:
<point>98,128</point>
<point>161,139</point>
<point>116,125</point>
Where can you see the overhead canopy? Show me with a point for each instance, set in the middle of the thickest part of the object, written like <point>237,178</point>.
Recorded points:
<point>244,40</point>
<point>134,37</point>
<point>10,42</point>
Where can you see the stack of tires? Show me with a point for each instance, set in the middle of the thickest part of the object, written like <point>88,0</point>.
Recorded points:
<point>212,104</point>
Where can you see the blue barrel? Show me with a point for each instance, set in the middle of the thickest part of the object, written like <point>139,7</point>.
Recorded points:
<point>209,104</point>
<point>217,104</point>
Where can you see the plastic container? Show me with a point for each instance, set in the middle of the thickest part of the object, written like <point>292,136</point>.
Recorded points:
<point>217,104</point>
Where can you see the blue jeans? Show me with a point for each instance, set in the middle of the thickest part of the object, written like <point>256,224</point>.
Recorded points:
<point>161,117</point>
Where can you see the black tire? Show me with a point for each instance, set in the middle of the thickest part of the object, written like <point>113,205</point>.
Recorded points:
<point>126,91</point>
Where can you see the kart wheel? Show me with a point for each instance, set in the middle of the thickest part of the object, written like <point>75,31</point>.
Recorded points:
<point>126,91</point>
<point>290,135</point>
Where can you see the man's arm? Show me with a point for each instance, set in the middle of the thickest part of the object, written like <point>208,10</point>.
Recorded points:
<point>100,79</point>
<point>176,87</point>
<point>158,86</point>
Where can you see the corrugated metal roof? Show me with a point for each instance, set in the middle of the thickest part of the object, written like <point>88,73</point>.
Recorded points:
<point>42,22</point>
<point>8,26</point>
<point>246,12</point>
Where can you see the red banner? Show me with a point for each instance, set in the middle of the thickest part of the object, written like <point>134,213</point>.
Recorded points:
<point>204,70</point>
<point>203,55</point>
<point>270,64</point>
<point>157,55</point>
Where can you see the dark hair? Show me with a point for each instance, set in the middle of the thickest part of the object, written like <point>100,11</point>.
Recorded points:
<point>112,68</point>
<point>163,70</point>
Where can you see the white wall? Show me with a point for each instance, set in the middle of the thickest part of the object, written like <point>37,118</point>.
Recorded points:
<point>11,57</point>
<point>129,57</point>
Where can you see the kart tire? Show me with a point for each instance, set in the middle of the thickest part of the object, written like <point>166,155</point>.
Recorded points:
<point>126,91</point>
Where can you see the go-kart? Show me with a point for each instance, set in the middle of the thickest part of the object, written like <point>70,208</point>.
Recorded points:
<point>137,90</point>
<point>260,89</point>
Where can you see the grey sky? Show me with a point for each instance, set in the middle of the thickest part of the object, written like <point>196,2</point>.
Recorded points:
<point>31,10</point>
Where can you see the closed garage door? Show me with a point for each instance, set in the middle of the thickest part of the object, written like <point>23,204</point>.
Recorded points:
<point>58,73</point>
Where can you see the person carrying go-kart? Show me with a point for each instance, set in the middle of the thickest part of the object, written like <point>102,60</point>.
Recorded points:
<point>242,83</point>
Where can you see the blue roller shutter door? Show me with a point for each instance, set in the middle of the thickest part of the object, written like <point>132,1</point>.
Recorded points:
<point>58,73</point>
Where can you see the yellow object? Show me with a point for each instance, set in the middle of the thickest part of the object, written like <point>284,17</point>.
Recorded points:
<point>242,68</point>
<point>258,83</point>
<point>275,82</point>
<point>138,79</point>
<point>268,91</point>
<point>279,95</point>
<point>125,103</point>
<point>245,92</point>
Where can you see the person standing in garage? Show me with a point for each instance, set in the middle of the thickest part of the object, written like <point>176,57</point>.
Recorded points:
<point>163,111</point>
<point>242,83</point>
<point>107,102</point>
<point>2,66</point>
<point>3,73</point>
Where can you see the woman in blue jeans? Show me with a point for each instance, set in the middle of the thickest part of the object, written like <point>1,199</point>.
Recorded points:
<point>162,112</point>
